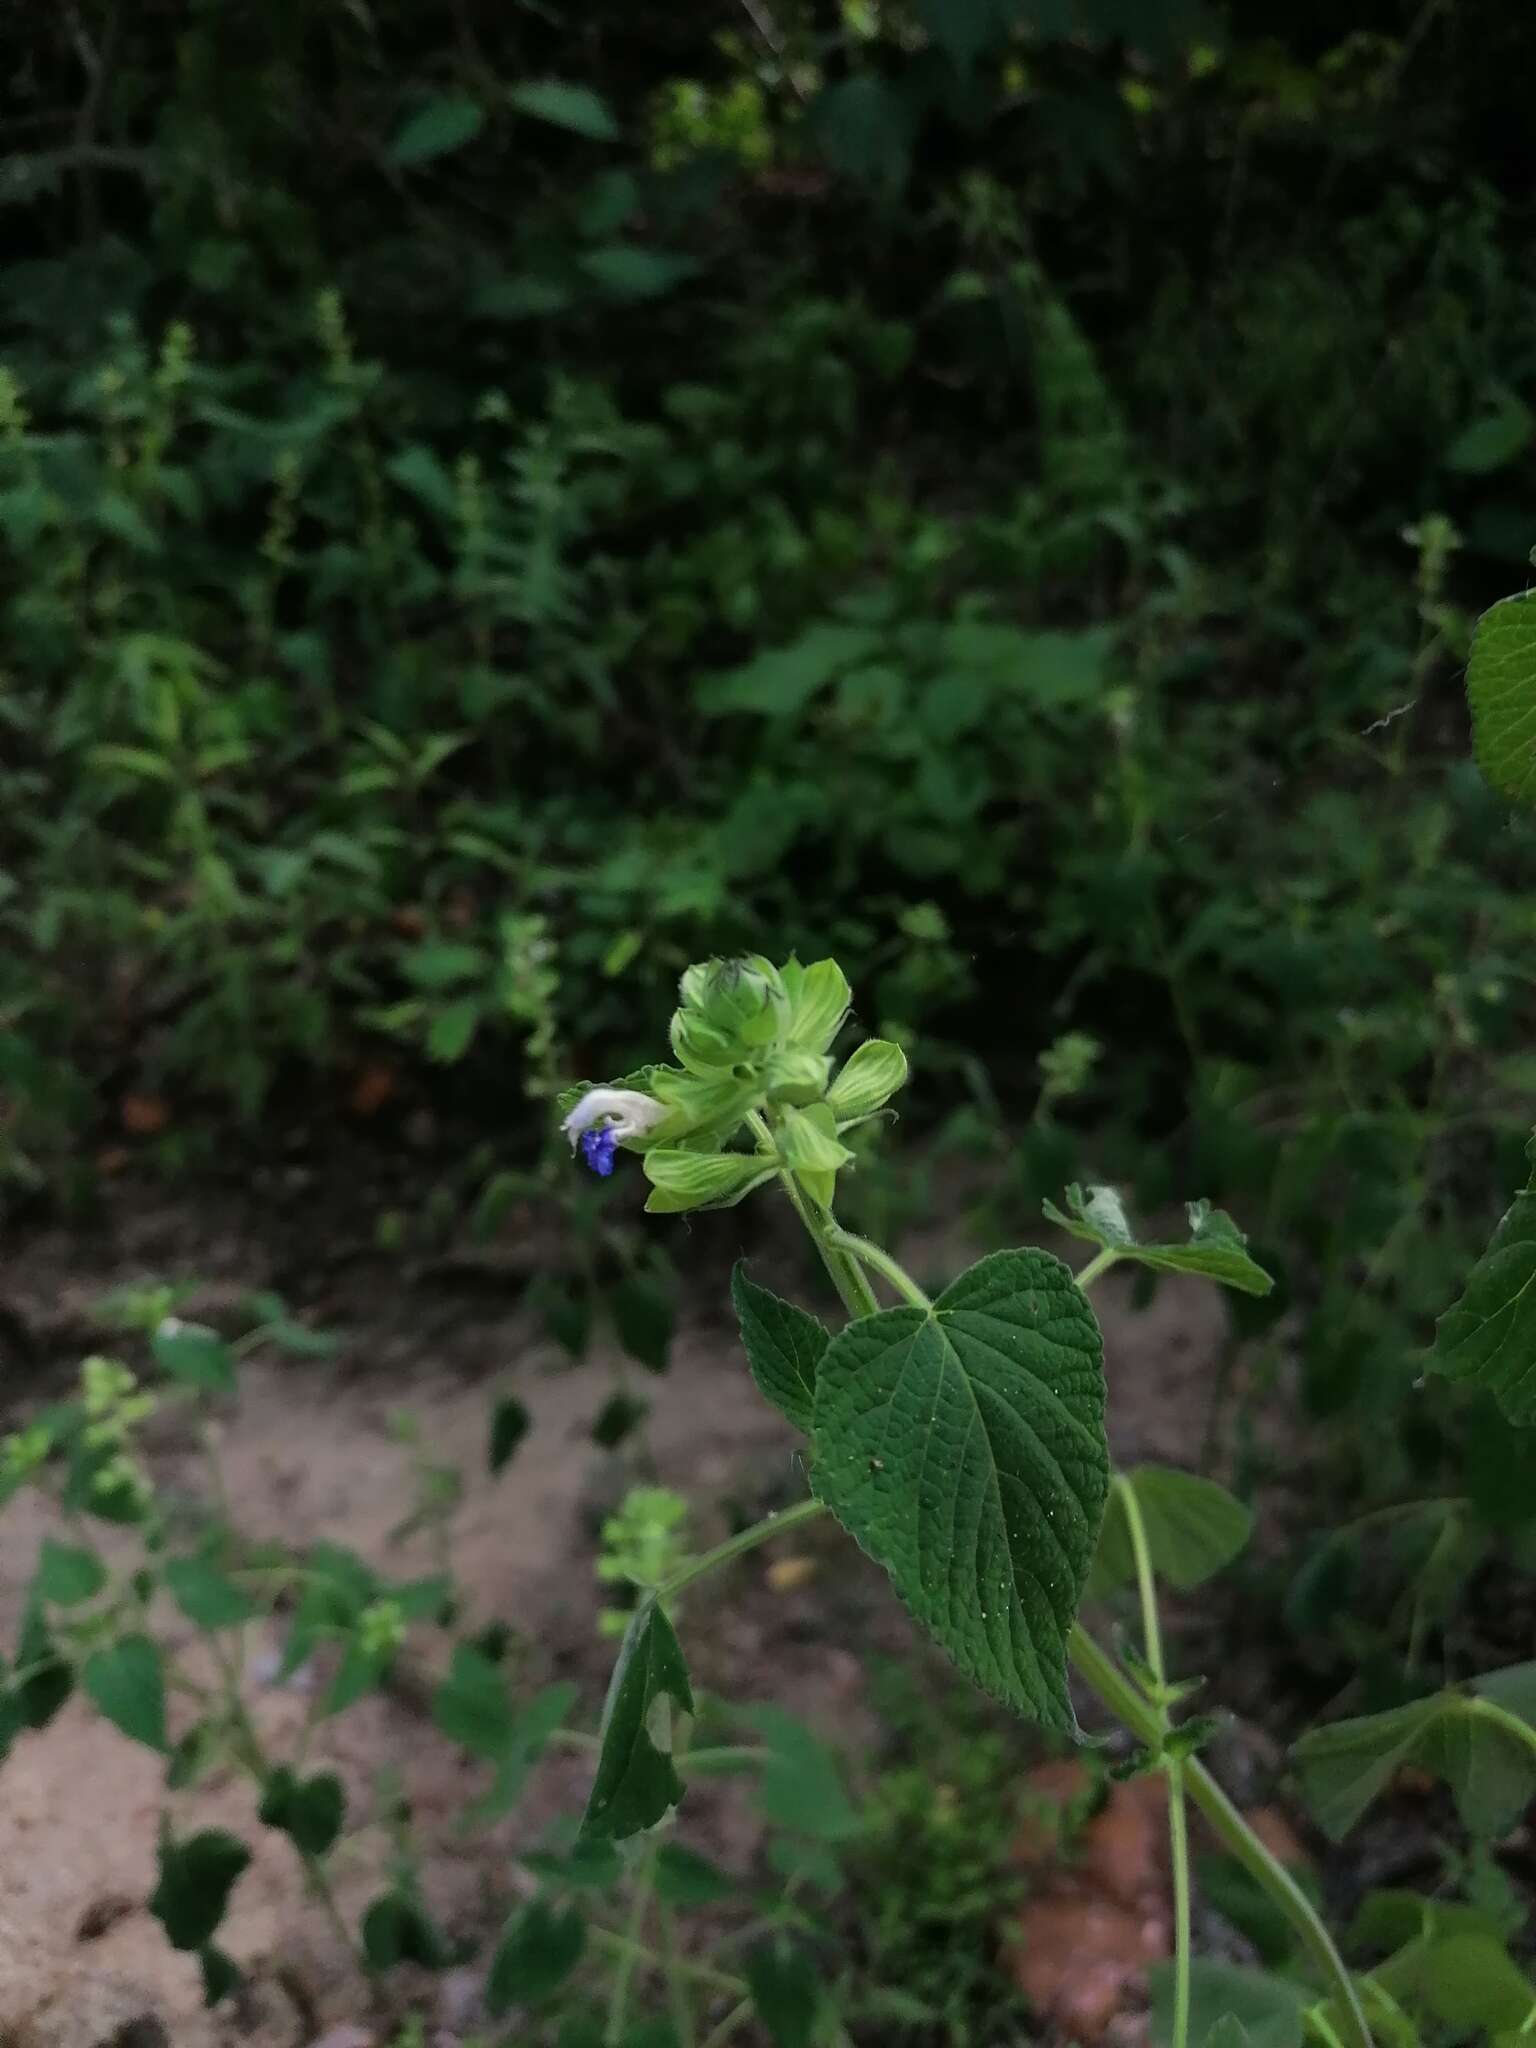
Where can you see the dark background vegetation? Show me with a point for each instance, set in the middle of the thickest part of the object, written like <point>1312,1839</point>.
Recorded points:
<point>501,501</point>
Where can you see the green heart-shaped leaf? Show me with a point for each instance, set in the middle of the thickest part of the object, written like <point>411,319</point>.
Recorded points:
<point>963,1446</point>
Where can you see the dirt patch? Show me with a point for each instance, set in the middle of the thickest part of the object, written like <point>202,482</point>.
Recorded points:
<point>308,1451</point>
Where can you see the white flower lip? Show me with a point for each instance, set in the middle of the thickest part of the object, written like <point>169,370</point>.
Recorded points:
<point>626,1112</point>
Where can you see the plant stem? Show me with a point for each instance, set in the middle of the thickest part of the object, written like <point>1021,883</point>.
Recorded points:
<point>638,1952</point>
<point>733,2019</point>
<point>737,1546</point>
<point>869,1254</point>
<point>854,1291</point>
<point>1178,1827</point>
<point>679,2004</point>
<point>715,1763</point>
<point>1099,1263</point>
<point>1104,1679</point>
<point>633,1949</point>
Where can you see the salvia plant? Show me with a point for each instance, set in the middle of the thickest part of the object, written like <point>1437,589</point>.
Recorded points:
<point>958,1437</point>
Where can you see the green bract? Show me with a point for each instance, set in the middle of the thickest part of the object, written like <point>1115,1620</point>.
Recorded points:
<point>870,1077</point>
<point>701,1180</point>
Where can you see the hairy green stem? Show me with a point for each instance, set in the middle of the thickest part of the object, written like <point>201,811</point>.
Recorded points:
<point>738,1545</point>
<point>633,1949</point>
<point>1099,1263</point>
<point>679,2004</point>
<point>736,2017</point>
<point>615,1944</point>
<point>869,1254</point>
<point>1178,1829</point>
<point>1105,1680</point>
<point>854,1291</point>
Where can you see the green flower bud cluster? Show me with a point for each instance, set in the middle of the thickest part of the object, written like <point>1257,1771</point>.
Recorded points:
<point>381,1628</point>
<point>110,1397</point>
<point>113,1406</point>
<point>753,1046</point>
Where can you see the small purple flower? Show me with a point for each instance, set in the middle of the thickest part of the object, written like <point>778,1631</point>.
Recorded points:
<point>598,1147</point>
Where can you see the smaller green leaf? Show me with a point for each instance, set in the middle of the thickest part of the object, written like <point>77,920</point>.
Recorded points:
<point>1194,1528</point>
<point>637,1783</point>
<point>126,1682</point>
<point>471,1705</point>
<point>197,1876</point>
<point>644,1318</point>
<point>869,1078</point>
<point>337,1586</point>
<point>190,1755</point>
<point>453,1029</point>
<point>564,105</point>
<point>686,1879</point>
<point>1489,1765</point>
<point>443,963</point>
<point>538,1950</point>
<point>1228,2032</point>
<point>1345,1765</point>
<point>786,1991</point>
<point>220,1973</point>
<point>309,1810</point>
<point>966,29</point>
<point>537,1722</point>
<point>800,1787</point>
<point>194,1355</point>
<point>49,1681</point>
<point>619,1416</point>
<point>205,1596</point>
<point>68,1574</point>
<point>628,270</point>
<point>362,1670</point>
<point>509,1425</point>
<point>575,107</point>
<point>784,1345</point>
<point>1471,1981</point>
<point>1269,2010</point>
<point>1217,1249</point>
<point>681,1181</point>
<point>439,127</point>
<point>397,1929</point>
<point>1493,440</point>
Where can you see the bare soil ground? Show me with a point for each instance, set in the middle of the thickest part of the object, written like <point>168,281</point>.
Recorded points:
<point>308,1452</point>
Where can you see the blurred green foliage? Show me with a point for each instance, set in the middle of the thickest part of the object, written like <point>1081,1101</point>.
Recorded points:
<point>499,506</point>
